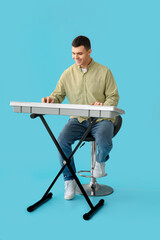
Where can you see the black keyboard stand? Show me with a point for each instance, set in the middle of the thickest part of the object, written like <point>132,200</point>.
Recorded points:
<point>66,162</point>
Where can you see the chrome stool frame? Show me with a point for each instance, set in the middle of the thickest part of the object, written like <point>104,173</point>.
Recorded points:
<point>93,188</point>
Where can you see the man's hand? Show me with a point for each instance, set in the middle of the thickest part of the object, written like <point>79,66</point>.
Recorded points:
<point>97,103</point>
<point>47,100</point>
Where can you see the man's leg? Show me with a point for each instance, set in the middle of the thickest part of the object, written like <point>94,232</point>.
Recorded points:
<point>103,133</point>
<point>72,131</point>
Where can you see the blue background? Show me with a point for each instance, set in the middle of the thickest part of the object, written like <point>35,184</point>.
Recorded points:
<point>35,48</point>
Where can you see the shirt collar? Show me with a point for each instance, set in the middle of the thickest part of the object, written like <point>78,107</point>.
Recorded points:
<point>89,66</point>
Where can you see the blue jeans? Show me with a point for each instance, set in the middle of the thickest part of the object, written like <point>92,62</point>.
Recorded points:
<point>102,132</point>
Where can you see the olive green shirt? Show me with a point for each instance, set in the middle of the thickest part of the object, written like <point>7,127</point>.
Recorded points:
<point>97,84</point>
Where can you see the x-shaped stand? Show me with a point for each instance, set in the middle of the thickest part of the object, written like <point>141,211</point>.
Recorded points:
<point>66,162</point>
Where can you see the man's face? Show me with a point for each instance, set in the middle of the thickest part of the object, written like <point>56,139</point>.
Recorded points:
<point>81,56</point>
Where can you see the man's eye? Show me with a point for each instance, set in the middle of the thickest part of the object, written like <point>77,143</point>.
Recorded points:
<point>77,54</point>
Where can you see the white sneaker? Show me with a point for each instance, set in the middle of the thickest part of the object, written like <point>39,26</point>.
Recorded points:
<point>99,170</point>
<point>70,189</point>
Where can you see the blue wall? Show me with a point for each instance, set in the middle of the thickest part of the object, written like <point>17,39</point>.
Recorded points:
<point>35,48</point>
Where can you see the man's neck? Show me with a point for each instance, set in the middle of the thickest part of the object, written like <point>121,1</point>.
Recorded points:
<point>86,65</point>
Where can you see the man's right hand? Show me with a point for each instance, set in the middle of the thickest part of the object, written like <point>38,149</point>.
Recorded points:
<point>47,100</point>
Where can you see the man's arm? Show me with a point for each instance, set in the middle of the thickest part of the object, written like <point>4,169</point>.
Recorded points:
<point>58,95</point>
<point>111,91</point>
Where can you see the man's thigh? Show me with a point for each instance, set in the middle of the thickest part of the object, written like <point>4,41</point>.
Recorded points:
<point>103,131</point>
<point>72,131</point>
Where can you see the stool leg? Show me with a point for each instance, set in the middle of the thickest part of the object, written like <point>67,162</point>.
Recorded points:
<point>93,188</point>
<point>93,161</point>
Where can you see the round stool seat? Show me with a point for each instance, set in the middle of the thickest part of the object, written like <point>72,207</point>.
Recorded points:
<point>89,138</point>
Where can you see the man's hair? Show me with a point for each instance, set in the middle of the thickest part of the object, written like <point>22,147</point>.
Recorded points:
<point>82,41</point>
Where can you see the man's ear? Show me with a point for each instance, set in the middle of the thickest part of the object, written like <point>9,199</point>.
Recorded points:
<point>89,51</point>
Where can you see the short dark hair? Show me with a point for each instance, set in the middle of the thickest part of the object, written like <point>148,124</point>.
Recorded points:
<point>82,41</point>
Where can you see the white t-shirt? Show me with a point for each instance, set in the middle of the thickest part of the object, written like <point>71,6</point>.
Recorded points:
<point>84,70</point>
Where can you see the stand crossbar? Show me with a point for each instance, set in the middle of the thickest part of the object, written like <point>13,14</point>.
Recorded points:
<point>66,162</point>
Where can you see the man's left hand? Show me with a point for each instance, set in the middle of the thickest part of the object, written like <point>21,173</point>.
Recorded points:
<point>97,103</point>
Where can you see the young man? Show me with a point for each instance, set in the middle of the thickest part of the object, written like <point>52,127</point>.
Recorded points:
<point>85,82</point>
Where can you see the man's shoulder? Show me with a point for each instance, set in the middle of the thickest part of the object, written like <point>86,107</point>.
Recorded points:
<point>68,70</point>
<point>101,66</point>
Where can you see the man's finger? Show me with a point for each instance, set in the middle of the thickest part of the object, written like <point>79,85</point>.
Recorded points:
<point>43,100</point>
<point>97,104</point>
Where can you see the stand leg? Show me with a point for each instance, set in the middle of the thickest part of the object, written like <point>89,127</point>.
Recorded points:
<point>88,215</point>
<point>94,209</point>
<point>46,196</point>
<point>39,203</point>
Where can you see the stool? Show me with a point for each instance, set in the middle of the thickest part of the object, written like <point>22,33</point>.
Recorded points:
<point>93,188</point>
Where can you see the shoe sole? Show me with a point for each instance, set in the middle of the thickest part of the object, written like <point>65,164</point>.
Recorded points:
<point>68,198</point>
